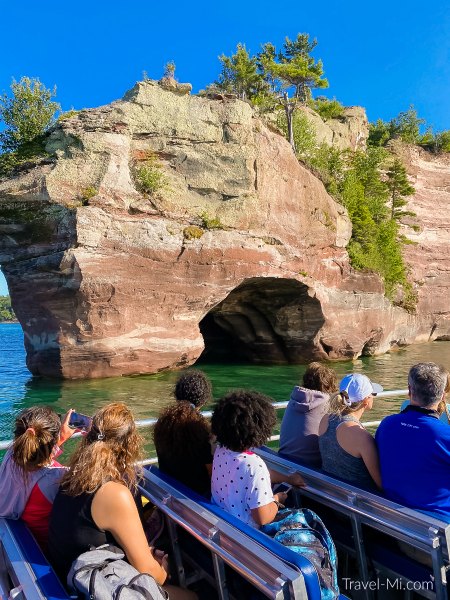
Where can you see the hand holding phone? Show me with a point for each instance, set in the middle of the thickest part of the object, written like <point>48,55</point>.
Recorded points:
<point>283,487</point>
<point>80,421</point>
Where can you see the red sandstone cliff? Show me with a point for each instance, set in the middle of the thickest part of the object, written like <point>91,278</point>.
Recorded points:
<point>114,284</point>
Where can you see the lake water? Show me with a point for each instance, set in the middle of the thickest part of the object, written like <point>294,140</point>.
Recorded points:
<point>146,394</point>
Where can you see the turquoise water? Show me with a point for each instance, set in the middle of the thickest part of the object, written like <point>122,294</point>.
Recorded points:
<point>148,393</point>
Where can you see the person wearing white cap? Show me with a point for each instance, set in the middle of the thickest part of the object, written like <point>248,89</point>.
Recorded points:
<point>348,450</point>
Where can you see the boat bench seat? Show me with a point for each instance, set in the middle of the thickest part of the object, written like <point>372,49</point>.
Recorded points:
<point>396,540</point>
<point>297,561</point>
<point>22,563</point>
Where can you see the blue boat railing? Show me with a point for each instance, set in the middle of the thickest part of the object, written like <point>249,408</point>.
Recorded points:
<point>208,413</point>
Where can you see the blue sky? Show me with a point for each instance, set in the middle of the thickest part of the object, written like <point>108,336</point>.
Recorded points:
<point>383,55</point>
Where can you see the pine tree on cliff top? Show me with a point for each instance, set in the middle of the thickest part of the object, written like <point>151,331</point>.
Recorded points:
<point>293,68</point>
<point>240,75</point>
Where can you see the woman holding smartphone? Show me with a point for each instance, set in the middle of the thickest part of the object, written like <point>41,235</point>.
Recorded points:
<point>95,503</point>
<point>29,473</point>
<point>241,483</point>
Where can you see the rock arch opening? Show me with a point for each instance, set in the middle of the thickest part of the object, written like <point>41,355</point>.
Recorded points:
<point>263,320</point>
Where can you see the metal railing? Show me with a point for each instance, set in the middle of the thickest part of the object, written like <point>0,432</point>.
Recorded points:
<point>208,413</point>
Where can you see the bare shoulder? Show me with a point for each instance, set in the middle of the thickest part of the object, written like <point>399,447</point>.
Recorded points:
<point>357,433</point>
<point>353,438</point>
<point>115,493</point>
<point>113,500</point>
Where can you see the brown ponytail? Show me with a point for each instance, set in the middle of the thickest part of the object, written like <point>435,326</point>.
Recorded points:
<point>35,435</point>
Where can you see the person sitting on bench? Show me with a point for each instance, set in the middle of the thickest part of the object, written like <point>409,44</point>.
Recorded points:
<point>182,435</point>
<point>29,473</point>
<point>347,448</point>
<point>299,434</point>
<point>414,446</point>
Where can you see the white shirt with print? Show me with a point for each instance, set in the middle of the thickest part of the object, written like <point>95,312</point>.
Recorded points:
<point>240,482</point>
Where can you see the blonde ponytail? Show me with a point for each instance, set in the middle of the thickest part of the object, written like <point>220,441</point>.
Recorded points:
<point>340,404</point>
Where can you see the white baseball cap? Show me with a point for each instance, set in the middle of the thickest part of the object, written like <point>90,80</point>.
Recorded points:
<point>358,387</point>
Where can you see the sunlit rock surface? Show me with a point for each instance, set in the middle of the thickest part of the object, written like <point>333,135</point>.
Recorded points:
<point>109,280</point>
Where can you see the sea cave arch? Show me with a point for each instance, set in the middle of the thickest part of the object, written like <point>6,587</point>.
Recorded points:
<point>263,320</point>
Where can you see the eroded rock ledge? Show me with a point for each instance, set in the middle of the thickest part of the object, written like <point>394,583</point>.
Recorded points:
<point>105,280</point>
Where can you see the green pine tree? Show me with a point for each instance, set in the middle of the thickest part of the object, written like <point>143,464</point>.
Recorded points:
<point>240,75</point>
<point>399,188</point>
<point>367,166</point>
<point>292,71</point>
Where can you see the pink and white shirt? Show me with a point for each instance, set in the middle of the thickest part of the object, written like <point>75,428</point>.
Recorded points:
<point>240,482</point>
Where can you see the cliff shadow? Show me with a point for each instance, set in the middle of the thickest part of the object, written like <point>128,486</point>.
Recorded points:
<point>263,320</point>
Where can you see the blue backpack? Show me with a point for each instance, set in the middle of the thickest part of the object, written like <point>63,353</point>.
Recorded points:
<point>302,531</point>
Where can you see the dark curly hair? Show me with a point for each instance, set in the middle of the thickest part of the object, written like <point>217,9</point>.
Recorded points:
<point>243,419</point>
<point>194,387</point>
<point>321,378</point>
<point>179,430</point>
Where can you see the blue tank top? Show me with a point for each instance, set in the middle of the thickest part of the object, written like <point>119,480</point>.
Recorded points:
<point>337,461</point>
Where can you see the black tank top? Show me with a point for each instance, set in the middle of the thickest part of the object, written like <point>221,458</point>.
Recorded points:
<point>73,531</point>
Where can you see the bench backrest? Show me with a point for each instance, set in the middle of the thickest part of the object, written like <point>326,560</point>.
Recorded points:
<point>424,532</point>
<point>22,560</point>
<point>248,556</point>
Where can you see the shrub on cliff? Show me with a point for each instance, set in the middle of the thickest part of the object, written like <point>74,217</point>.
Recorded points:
<point>304,134</point>
<point>149,175</point>
<point>27,113</point>
<point>327,109</point>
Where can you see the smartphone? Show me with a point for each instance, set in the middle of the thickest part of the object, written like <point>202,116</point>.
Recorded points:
<point>79,421</point>
<point>283,487</point>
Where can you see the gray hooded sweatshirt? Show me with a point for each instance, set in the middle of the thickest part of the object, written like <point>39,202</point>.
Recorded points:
<point>299,435</point>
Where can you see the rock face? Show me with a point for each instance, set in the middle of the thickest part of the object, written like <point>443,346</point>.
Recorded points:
<point>349,131</point>
<point>239,249</point>
<point>429,255</point>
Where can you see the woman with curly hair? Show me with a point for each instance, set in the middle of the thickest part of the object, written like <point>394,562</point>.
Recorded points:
<point>29,473</point>
<point>241,482</point>
<point>95,504</point>
<point>182,435</point>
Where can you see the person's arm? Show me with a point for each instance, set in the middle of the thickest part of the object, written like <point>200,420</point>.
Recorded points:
<point>369,454</point>
<point>65,432</point>
<point>294,479</point>
<point>114,510</point>
<point>267,513</point>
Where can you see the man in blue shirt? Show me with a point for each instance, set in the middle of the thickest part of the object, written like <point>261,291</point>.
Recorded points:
<point>414,446</point>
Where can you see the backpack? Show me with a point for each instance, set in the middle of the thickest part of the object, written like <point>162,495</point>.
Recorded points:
<point>302,531</point>
<point>103,574</point>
